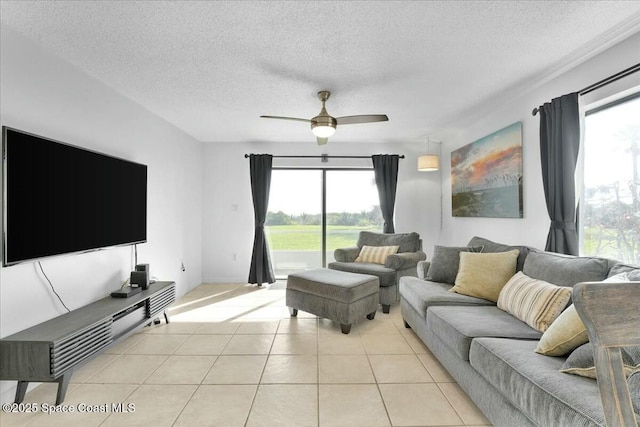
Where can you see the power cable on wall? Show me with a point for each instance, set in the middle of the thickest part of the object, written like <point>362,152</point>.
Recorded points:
<point>52,288</point>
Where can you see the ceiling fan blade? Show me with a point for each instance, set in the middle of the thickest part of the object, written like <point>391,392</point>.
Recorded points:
<point>322,141</point>
<point>364,118</point>
<point>286,118</point>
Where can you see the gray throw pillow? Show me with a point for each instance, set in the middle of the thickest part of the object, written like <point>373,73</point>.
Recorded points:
<point>581,361</point>
<point>565,270</point>
<point>633,275</point>
<point>634,389</point>
<point>445,262</point>
<point>632,270</point>
<point>490,247</point>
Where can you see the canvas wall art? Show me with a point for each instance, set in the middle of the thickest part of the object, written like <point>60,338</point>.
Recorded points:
<point>486,176</point>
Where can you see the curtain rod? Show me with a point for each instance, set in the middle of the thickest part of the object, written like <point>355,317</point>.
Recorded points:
<point>324,157</point>
<point>603,82</point>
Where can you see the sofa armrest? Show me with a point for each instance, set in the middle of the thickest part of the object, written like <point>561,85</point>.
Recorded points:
<point>423,267</point>
<point>610,313</point>
<point>346,254</point>
<point>404,260</point>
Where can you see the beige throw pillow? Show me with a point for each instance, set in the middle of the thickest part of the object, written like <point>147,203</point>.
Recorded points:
<point>483,275</point>
<point>568,332</point>
<point>564,335</point>
<point>535,302</point>
<point>376,254</point>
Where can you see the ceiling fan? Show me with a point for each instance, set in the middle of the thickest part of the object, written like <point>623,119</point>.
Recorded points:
<point>323,125</point>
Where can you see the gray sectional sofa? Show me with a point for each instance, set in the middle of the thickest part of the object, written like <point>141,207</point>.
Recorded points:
<point>491,353</point>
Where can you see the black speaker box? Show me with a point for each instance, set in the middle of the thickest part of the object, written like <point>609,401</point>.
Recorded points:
<point>139,279</point>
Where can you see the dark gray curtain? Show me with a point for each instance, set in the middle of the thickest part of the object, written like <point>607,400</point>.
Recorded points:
<point>260,167</point>
<point>559,146</point>
<point>385,167</point>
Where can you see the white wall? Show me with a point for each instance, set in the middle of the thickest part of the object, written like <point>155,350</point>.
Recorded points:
<point>226,176</point>
<point>532,229</point>
<point>42,94</point>
<point>226,184</point>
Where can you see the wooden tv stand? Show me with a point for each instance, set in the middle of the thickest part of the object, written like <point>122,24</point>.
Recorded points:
<point>50,351</point>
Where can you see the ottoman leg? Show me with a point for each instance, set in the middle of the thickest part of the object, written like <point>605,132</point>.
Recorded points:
<point>345,328</point>
<point>370,316</point>
<point>293,312</point>
<point>406,325</point>
<point>385,308</point>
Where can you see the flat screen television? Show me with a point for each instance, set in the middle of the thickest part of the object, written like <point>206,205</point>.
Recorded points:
<point>61,199</point>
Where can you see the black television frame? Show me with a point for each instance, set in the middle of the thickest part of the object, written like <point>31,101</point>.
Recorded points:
<point>4,190</point>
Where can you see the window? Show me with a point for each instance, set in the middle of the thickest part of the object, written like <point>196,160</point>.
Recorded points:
<point>610,203</point>
<point>312,212</point>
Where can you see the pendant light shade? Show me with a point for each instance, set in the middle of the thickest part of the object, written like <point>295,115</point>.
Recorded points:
<point>428,163</point>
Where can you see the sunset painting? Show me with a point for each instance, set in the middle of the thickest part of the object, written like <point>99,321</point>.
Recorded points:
<point>486,176</point>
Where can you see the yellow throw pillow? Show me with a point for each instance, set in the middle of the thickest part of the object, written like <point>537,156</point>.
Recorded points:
<point>376,254</point>
<point>535,302</point>
<point>564,335</point>
<point>483,275</point>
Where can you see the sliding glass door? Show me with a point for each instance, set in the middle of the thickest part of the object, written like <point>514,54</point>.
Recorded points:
<point>314,211</point>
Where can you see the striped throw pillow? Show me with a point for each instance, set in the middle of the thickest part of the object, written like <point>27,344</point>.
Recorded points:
<point>535,302</point>
<point>376,254</point>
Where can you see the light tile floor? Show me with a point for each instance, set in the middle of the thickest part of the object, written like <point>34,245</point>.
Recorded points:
<point>232,356</point>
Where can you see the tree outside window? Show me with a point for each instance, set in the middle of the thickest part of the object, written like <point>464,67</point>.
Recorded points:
<point>610,204</point>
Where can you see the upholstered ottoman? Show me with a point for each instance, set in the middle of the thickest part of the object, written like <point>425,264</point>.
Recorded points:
<point>337,295</point>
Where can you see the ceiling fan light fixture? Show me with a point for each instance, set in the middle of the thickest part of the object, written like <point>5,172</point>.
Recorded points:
<point>323,131</point>
<point>323,125</point>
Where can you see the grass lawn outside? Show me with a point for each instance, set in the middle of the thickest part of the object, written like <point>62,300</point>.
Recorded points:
<point>309,237</point>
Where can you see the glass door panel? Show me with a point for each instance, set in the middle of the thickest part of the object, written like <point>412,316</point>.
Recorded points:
<point>352,205</point>
<point>294,221</point>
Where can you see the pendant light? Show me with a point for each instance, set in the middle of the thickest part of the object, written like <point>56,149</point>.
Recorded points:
<point>429,162</point>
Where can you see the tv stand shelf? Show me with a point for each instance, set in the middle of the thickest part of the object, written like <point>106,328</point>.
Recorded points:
<point>50,351</point>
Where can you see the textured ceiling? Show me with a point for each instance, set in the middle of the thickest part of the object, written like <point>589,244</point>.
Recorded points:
<point>212,68</point>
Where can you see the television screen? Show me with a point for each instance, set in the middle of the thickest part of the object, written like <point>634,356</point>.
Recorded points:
<point>60,199</point>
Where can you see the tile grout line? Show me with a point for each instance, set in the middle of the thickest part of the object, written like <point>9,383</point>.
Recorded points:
<point>255,394</point>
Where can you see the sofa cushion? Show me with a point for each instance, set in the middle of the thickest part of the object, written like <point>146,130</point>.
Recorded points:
<point>376,254</point>
<point>445,262</point>
<point>484,275</point>
<point>534,384</point>
<point>565,270</point>
<point>421,294</point>
<point>581,361</point>
<point>458,326</point>
<point>407,242</point>
<point>536,302</point>
<point>490,247</point>
<point>387,276</point>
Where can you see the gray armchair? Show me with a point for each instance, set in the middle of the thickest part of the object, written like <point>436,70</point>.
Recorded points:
<point>397,265</point>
